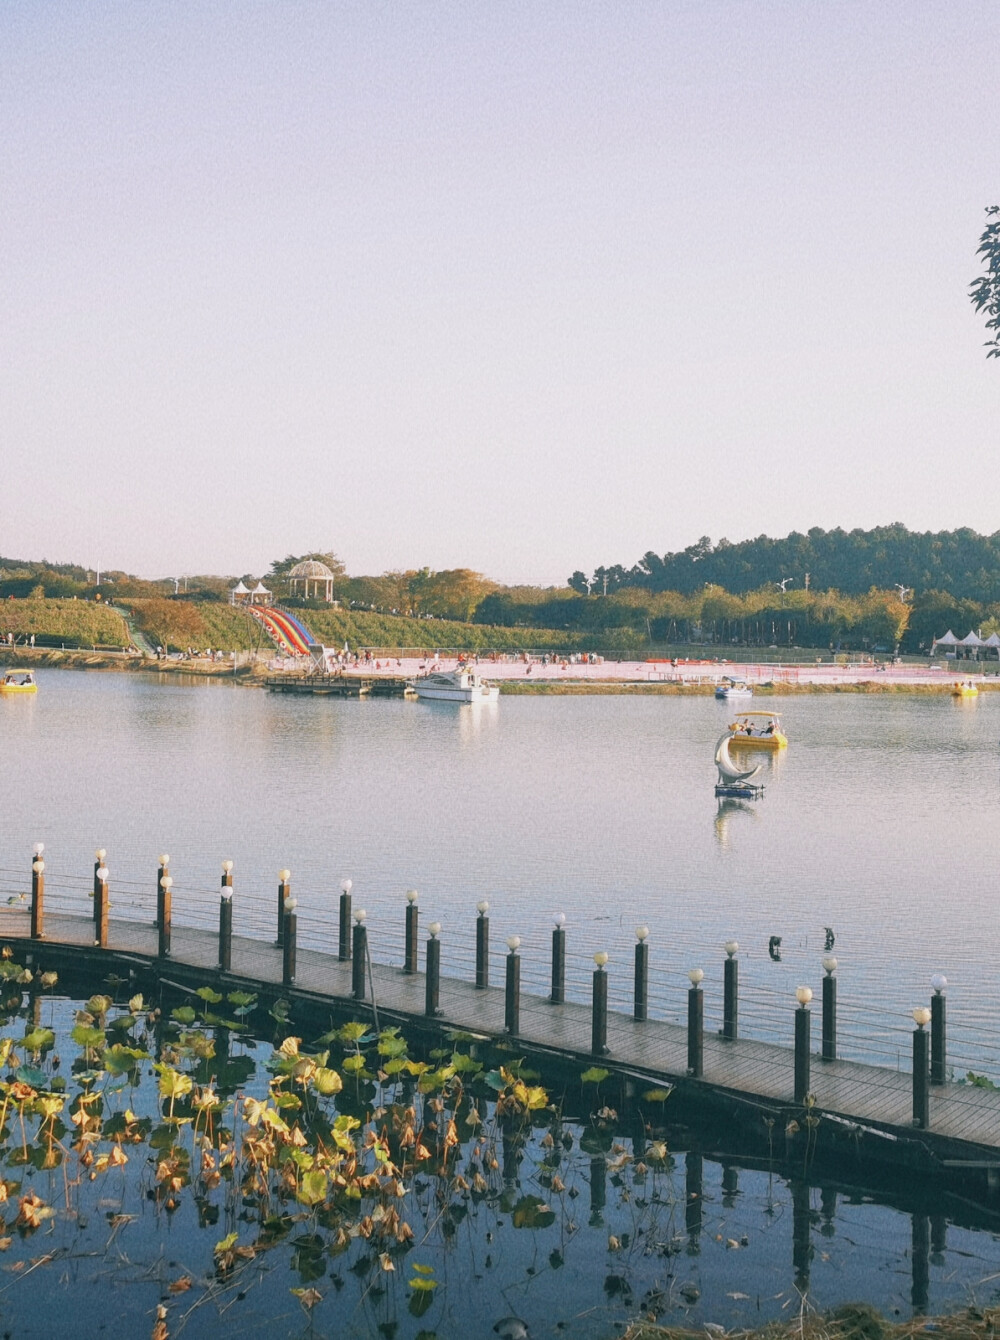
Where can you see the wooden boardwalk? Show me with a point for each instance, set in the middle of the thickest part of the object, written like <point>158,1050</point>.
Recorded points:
<point>862,1094</point>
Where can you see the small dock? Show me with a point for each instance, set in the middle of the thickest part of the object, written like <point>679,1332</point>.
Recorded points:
<point>342,686</point>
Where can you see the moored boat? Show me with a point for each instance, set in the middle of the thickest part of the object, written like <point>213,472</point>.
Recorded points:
<point>18,681</point>
<point>733,688</point>
<point>455,686</point>
<point>757,730</point>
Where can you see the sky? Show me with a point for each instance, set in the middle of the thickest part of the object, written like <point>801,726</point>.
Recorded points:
<point>520,287</point>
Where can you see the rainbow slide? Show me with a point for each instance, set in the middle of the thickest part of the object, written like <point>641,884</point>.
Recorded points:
<point>289,633</point>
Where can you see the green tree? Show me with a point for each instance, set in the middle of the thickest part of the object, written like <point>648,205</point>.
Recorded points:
<point>985,291</point>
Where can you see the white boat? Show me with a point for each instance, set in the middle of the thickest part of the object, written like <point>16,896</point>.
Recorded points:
<point>455,686</point>
<point>733,688</point>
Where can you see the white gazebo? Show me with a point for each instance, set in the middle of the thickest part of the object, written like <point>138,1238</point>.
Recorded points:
<point>239,593</point>
<point>993,642</point>
<point>260,595</point>
<point>312,572</point>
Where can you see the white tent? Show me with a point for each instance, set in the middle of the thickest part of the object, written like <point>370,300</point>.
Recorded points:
<point>260,595</point>
<point>238,592</point>
<point>949,640</point>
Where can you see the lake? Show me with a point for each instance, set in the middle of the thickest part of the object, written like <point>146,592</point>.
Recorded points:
<point>877,822</point>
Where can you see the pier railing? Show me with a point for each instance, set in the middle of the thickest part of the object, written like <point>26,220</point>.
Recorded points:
<point>701,991</point>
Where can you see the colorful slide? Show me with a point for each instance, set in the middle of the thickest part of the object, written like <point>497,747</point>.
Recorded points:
<point>289,633</point>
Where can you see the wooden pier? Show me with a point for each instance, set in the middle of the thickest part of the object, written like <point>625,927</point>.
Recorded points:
<point>865,1107</point>
<point>342,686</point>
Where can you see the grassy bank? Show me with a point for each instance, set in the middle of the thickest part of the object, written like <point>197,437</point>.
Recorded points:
<point>852,1321</point>
<point>75,623</point>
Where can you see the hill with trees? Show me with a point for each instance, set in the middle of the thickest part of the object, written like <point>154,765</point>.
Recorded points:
<point>961,563</point>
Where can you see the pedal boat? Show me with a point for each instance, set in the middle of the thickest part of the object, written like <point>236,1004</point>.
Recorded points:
<point>18,681</point>
<point>757,730</point>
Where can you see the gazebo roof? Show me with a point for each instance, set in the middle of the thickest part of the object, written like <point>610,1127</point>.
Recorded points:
<point>972,640</point>
<point>993,640</point>
<point>260,590</point>
<point>949,640</point>
<point>240,589</point>
<point>311,567</point>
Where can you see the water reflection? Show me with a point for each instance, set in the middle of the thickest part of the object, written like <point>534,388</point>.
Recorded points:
<point>728,809</point>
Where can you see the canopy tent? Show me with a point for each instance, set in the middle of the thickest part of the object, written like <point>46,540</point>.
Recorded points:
<point>949,642</point>
<point>238,592</point>
<point>260,595</point>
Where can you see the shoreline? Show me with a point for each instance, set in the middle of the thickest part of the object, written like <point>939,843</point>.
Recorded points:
<point>695,679</point>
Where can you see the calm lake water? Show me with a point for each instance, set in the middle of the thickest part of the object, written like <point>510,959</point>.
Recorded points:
<point>879,821</point>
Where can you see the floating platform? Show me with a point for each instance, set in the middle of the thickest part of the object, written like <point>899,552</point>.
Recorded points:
<point>342,686</point>
<point>739,790</point>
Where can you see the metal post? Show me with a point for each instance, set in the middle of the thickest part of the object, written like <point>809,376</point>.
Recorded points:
<point>558,993</point>
<point>512,993</point>
<point>359,949</point>
<point>939,1062</point>
<point>432,993</point>
<point>483,947</point>
<point>38,898</point>
<point>730,998</point>
<point>696,1031</point>
<point>921,1078</point>
<point>164,916</point>
<point>99,856</point>
<point>226,918</point>
<point>162,869</point>
<point>284,893</point>
<point>829,1017</point>
<point>226,931</point>
<point>288,943</point>
<point>412,922</point>
<point>803,1025</point>
<point>599,1014</point>
<point>640,1008</point>
<point>102,906</point>
<point>344,952</point>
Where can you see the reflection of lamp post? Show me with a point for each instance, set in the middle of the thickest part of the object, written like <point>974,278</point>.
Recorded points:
<point>696,1024</point>
<point>803,1025</point>
<point>482,945</point>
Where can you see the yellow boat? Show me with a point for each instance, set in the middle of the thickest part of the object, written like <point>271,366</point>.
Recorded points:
<point>18,681</point>
<point>757,730</point>
<point>964,689</point>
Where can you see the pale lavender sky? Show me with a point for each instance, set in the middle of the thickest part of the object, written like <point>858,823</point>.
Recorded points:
<point>521,287</point>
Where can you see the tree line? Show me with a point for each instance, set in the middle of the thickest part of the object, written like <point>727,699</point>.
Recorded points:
<point>960,563</point>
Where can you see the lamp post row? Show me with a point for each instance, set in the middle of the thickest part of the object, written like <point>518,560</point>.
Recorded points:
<point>929,1047</point>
